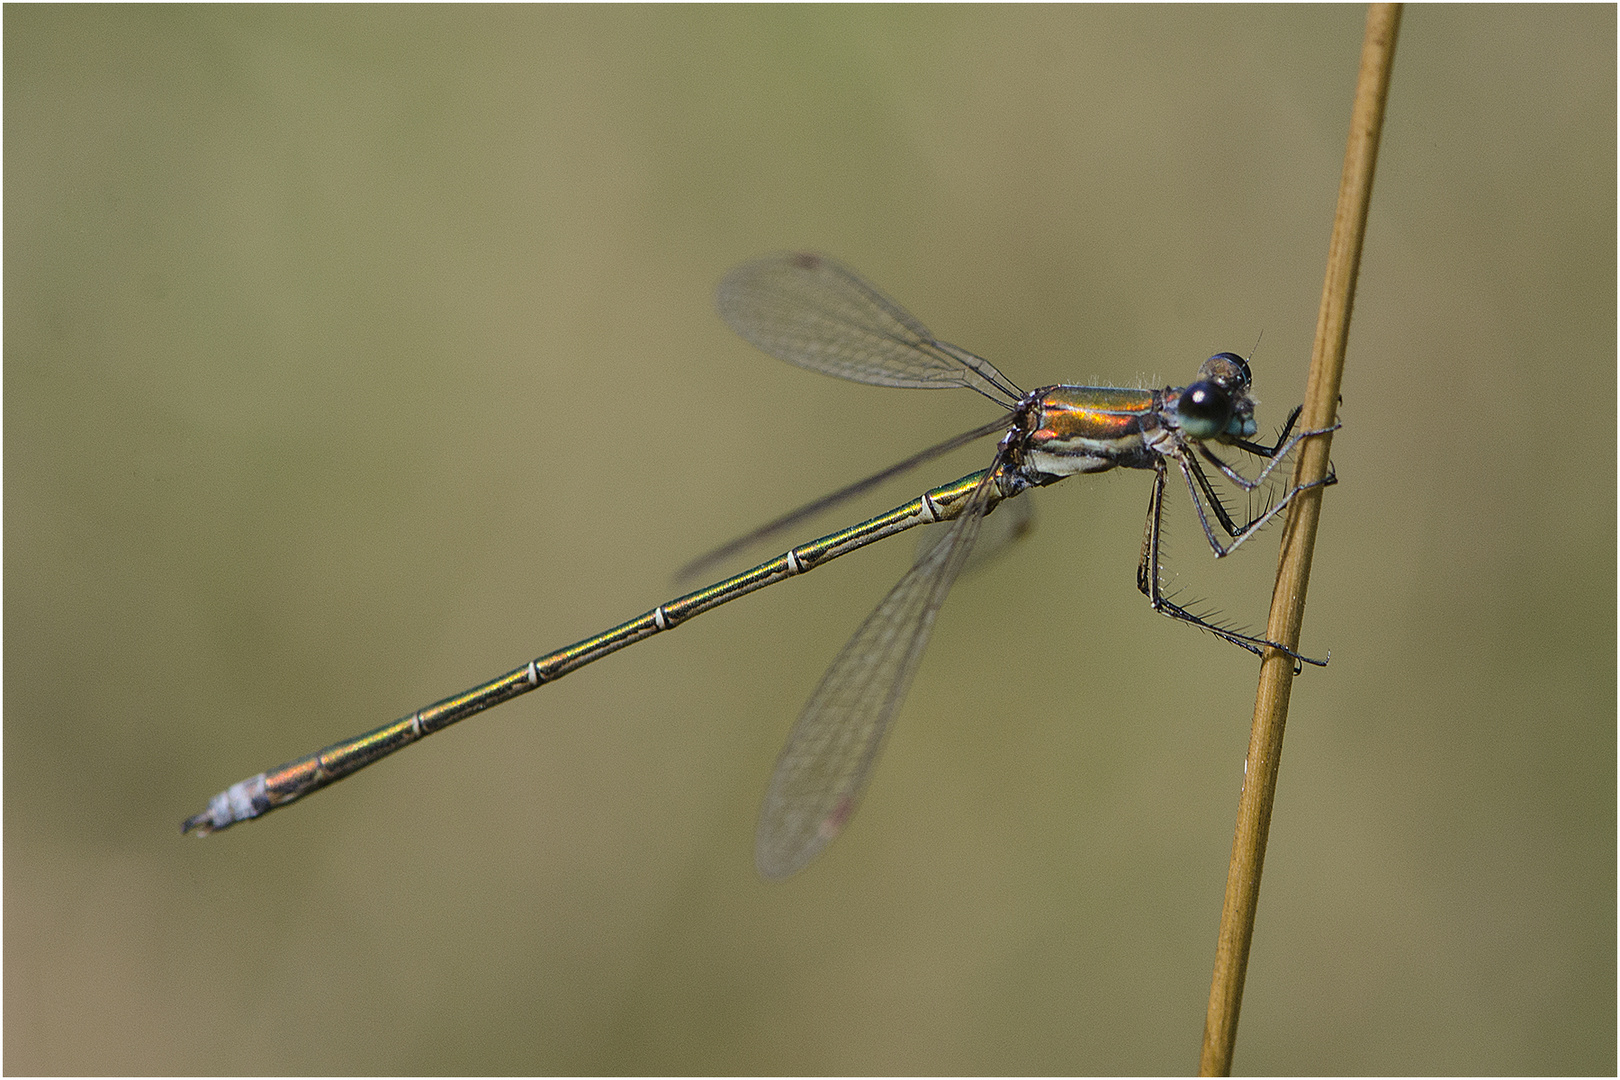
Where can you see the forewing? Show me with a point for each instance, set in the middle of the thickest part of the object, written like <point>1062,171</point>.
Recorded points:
<point>815,312</point>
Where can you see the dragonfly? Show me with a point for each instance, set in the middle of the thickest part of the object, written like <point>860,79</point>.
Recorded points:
<point>812,311</point>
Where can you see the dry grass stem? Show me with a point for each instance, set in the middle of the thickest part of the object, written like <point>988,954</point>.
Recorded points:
<point>1299,535</point>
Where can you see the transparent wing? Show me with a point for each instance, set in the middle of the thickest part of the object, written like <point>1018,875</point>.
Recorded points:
<point>815,312</point>
<point>793,518</point>
<point>1005,526</point>
<point>829,755</point>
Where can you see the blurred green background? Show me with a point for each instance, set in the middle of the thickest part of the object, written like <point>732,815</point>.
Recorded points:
<point>354,356</point>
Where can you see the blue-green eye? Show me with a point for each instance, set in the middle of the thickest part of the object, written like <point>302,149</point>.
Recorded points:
<point>1204,409</point>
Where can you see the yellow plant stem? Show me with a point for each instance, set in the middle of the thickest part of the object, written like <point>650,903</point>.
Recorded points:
<point>1299,536</point>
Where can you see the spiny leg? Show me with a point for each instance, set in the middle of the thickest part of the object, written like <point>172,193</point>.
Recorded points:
<point>1195,475</point>
<point>1147,574</point>
<point>1282,436</point>
<point>1189,469</point>
<point>1198,482</point>
<point>1274,455</point>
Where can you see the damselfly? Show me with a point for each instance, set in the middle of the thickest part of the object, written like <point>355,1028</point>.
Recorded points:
<point>812,311</point>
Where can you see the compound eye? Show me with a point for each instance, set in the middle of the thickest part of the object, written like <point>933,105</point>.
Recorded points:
<point>1228,369</point>
<point>1205,410</point>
